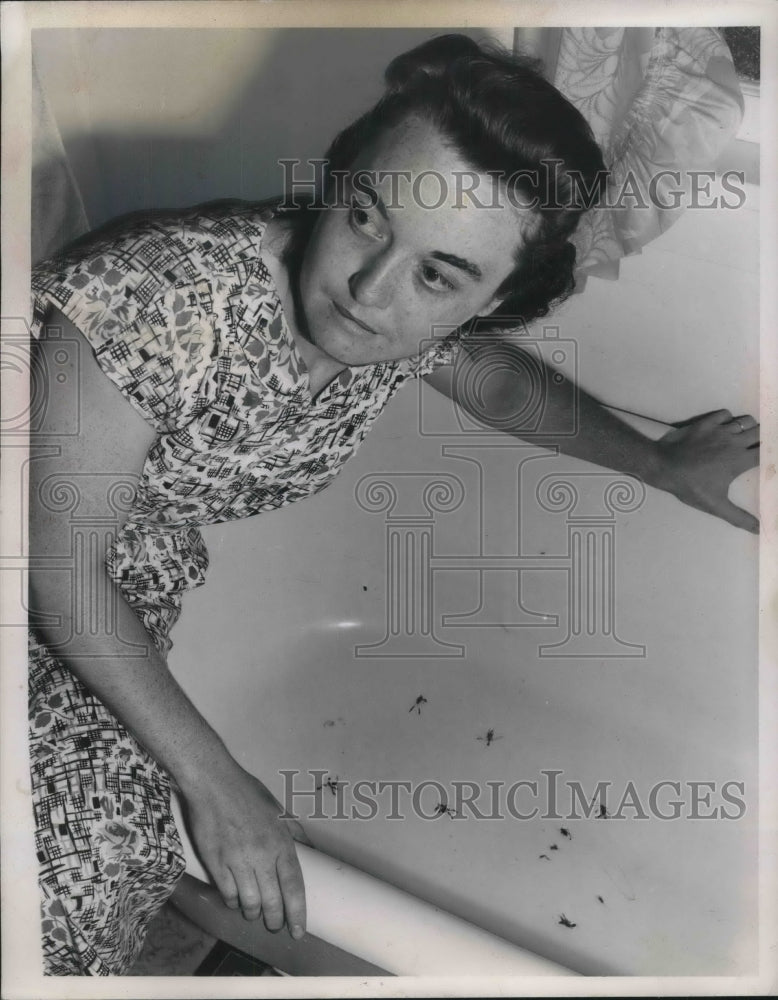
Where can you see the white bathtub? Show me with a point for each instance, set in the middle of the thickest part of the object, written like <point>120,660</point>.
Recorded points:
<point>288,651</point>
<point>267,648</point>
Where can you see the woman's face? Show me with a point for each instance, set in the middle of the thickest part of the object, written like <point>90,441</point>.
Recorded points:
<point>377,280</point>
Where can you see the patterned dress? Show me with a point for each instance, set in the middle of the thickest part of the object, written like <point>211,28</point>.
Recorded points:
<point>183,317</point>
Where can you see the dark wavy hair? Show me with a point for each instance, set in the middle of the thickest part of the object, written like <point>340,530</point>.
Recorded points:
<point>502,116</point>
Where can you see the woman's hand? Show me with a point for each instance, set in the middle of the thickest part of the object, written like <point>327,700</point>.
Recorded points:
<point>696,461</point>
<point>235,821</point>
<point>699,459</point>
<point>248,850</point>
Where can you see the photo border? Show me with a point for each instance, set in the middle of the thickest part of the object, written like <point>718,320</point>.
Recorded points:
<point>21,947</point>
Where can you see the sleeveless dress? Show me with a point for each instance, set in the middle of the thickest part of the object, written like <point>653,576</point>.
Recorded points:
<point>183,317</point>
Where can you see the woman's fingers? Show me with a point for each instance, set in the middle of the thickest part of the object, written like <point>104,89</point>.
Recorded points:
<point>225,883</point>
<point>744,424</point>
<point>712,419</point>
<point>747,458</point>
<point>236,825</point>
<point>743,430</point>
<point>272,900</point>
<point>737,458</point>
<point>276,893</point>
<point>700,459</point>
<point>750,436</point>
<point>739,517</point>
<point>290,878</point>
<point>298,833</point>
<point>251,899</point>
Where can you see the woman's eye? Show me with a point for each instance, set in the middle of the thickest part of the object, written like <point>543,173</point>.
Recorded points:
<point>434,279</point>
<point>360,214</point>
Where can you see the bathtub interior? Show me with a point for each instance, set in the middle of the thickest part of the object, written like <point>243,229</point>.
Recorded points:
<point>267,648</point>
<point>275,649</point>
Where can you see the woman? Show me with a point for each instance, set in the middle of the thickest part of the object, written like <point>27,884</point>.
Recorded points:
<point>252,348</point>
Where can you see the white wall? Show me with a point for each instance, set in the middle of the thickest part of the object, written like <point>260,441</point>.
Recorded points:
<point>171,117</point>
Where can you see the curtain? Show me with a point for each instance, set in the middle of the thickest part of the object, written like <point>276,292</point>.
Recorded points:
<point>657,99</point>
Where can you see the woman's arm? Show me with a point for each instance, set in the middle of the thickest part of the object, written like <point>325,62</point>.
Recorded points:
<point>696,462</point>
<point>247,849</point>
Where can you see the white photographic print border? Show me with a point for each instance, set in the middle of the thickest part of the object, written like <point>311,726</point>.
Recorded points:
<point>21,919</point>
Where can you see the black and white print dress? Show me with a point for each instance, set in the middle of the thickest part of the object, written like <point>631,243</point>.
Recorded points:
<point>183,317</point>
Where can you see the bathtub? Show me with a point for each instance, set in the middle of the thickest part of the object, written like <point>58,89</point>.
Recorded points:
<point>451,584</point>
<point>465,607</point>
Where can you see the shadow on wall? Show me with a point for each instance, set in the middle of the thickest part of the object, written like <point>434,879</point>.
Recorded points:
<point>308,84</point>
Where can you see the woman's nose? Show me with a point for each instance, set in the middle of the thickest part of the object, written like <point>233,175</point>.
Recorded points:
<point>373,283</point>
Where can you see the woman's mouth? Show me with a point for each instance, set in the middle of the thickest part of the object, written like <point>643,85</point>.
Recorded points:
<point>347,315</point>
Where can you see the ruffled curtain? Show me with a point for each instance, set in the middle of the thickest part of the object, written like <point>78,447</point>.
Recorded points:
<point>657,99</point>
